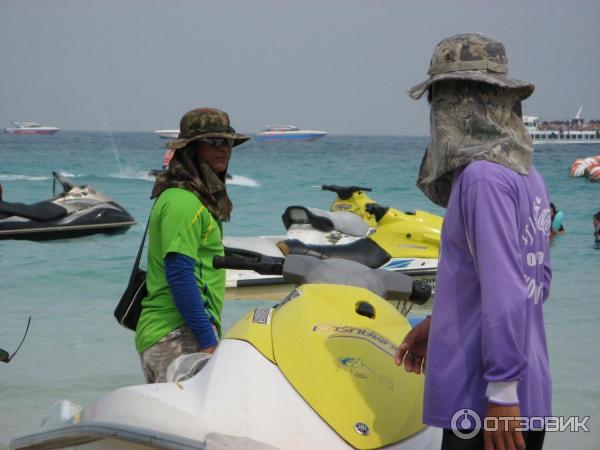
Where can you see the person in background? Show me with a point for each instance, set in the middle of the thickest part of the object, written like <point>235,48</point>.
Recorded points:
<point>182,312</point>
<point>484,345</point>
<point>168,156</point>
<point>596,222</point>
<point>556,226</point>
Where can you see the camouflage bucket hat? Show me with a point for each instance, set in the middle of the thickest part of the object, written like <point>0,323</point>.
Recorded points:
<point>474,57</point>
<point>205,123</point>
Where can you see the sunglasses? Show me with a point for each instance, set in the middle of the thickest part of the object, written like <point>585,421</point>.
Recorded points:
<point>4,356</point>
<point>218,142</point>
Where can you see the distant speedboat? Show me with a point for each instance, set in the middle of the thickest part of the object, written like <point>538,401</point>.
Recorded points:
<point>29,128</point>
<point>167,134</point>
<point>288,133</point>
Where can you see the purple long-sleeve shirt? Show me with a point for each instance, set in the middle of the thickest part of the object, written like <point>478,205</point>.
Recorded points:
<point>487,338</point>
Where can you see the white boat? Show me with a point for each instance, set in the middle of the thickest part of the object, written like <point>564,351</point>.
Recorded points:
<point>29,128</point>
<point>574,131</point>
<point>167,134</point>
<point>288,133</point>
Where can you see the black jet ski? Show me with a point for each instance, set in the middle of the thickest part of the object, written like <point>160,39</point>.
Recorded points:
<point>77,211</point>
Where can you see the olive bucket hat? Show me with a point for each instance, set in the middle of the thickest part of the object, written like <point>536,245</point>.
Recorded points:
<point>205,123</point>
<point>474,57</point>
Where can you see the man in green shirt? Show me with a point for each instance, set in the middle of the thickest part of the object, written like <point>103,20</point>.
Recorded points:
<point>182,312</point>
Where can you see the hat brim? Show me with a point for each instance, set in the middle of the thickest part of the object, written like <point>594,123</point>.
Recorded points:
<point>183,142</point>
<point>523,88</point>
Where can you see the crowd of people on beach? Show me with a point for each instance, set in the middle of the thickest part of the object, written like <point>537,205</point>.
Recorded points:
<point>568,125</point>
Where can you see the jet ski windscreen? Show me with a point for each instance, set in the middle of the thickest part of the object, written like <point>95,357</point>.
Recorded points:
<point>66,184</point>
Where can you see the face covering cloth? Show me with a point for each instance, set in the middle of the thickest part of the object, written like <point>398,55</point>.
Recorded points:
<point>472,122</point>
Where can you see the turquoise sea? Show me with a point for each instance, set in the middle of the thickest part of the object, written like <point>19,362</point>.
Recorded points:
<point>76,350</point>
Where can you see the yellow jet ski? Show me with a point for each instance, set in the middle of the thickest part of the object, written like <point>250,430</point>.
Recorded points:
<point>315,371</point>
<point>357,228</point>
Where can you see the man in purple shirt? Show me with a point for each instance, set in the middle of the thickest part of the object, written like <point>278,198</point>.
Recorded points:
<point>484,344</point>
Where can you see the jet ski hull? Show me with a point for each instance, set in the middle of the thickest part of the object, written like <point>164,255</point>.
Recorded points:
<point>260,411</point>
<point>105,436</point>
<point>66,232</point>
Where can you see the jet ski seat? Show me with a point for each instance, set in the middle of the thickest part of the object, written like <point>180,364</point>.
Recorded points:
<point>342,221</point>
<point>390,285</point>
<point>250,246</point>
<point>363,251</point>
<point>41,211</point>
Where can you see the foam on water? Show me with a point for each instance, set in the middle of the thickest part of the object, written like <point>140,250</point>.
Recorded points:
<point>11,177</point>
<point>240,180</point>
<point>68,174</point>
<point>129,173</point>
<point>20,177</point>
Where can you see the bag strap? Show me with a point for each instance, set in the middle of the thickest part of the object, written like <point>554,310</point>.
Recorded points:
<point>136,264</point>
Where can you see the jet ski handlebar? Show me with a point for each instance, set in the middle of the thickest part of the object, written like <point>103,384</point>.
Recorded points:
<point>300,269</point>
<point>344,192</point>
<point>264,265</point>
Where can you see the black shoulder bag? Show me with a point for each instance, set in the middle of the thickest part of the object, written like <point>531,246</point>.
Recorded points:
<point>129,308</point>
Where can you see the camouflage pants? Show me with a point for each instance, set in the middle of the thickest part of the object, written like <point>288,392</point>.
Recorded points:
<point>157,358</point>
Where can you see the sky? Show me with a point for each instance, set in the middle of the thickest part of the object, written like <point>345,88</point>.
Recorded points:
<point>338,66</point>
